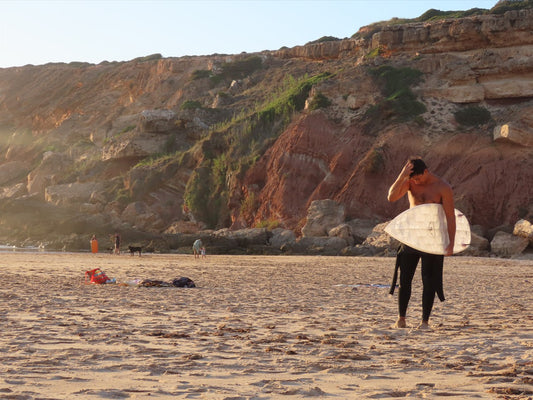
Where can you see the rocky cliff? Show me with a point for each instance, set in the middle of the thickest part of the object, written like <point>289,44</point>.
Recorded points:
<point>156,146</point>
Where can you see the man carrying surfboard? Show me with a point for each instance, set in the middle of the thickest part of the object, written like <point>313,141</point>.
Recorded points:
<point>421,187</point>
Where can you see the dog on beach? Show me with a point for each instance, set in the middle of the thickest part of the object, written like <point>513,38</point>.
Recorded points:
<point>135,249</point>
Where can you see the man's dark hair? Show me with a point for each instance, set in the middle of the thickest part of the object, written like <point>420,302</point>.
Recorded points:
<point>419,167</point>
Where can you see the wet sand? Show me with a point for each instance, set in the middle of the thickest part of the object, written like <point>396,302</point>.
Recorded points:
<point>259,327</point>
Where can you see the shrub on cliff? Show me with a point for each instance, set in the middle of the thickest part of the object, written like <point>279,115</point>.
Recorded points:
<point>374,162</point>
<point>503,6</point>
<point>269,224</point>
<point>205,197</point>
<point>200,74</point>
<point>237,69</point>
<point>249,206</point>
<point>191,105</point>
<point>400,102</point>
<point>241,68</point>
<point>290,100</point>
<point>319,101</point>
<point>395,80</point>
<point>472,116</point>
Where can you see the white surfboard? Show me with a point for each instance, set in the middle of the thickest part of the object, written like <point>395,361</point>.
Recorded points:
<point>424,228</point>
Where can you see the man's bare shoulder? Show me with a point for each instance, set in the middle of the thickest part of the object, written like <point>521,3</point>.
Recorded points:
<point>446,192</point>
<point>445,185</point>
<point>441,183</point>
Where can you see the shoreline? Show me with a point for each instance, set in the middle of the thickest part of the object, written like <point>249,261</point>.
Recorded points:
<point>260,327</point>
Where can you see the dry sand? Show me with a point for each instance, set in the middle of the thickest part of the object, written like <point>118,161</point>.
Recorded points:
<point>260,328</point>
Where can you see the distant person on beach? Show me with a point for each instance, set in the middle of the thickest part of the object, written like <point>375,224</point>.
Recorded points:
<point>421,187</point>
<point>117,243</point>
<point>197,248</point>
<point>94,245</point>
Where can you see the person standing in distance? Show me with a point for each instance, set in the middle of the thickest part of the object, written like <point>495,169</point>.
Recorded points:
<point>197,248</point>
<point>116,249</point>
<point>421,187</point>
<point>94,245</point>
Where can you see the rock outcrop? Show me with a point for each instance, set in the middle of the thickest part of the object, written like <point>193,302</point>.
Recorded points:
<point>322,216</point>
<point>506,245</point>
<point>157,121</point>
<point>49,172</point>
<point>451,35</point>
<point>524,229</point>
<point>517,133</point>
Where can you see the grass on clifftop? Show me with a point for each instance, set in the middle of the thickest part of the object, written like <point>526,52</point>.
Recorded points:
<point>434,15</point>
<point>503,6</point>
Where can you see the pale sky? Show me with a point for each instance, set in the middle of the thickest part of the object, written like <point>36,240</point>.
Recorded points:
<point>42,31</point>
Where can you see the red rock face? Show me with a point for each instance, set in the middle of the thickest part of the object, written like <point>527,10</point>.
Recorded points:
<point>316,159</point>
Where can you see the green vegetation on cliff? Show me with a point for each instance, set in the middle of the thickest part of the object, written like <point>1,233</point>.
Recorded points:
<point>433,15</point>
<point>244,139</point>
<point>472,116</point>
<point>319,101</point>
<point>400,103</point>
<point>191,105</point>
<point>503,6</point>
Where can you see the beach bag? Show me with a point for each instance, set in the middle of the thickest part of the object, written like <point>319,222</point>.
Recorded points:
<point>96,276</point>
<point>183,282</point>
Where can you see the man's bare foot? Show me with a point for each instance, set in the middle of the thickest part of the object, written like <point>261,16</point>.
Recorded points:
<point>424,326</point>
<point>400,323</point>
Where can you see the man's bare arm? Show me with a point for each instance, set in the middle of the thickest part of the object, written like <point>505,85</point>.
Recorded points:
<point>401,185</point>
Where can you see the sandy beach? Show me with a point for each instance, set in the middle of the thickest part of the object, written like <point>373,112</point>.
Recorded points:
<point>260,327</point>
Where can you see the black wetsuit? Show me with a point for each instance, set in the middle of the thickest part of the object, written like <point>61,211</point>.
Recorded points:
<point>432,265</point>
